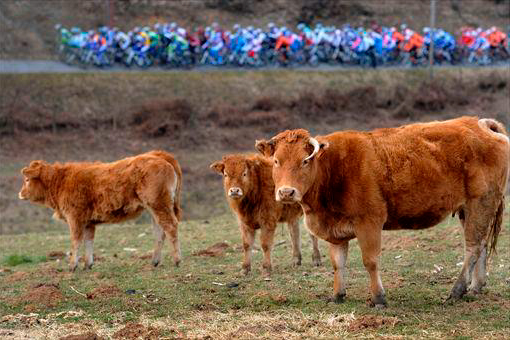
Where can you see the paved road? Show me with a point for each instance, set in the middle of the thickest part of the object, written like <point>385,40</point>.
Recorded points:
<point>51,66</point>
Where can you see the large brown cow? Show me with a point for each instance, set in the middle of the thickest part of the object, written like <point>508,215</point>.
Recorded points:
<point>355,184</point>
<point>249,189</point>
<point>88,194</point>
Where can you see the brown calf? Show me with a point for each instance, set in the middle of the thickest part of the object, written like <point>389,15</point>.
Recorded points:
<point>250,193</point>
<point>87,194</point>
<point>355,184</point>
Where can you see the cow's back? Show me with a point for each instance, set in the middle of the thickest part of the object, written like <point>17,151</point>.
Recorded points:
<point>429,170</point>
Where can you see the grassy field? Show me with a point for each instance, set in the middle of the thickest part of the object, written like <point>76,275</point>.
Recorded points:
<point>123,296</point>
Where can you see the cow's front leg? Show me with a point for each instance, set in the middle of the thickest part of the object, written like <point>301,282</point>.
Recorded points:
<point>76,231</point>
<point>248,236</point>
<point>296,241</point>
<point>316,254</point>
<point>90,231</point>
<point>338,254</point>
<point>369,240</point>
<point>266,242</point>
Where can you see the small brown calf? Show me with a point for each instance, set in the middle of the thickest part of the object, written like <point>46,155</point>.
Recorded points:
<point>87,194</point>
<point>249,188</point>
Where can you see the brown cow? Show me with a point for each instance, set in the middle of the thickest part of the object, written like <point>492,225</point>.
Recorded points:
<point>250,193</point>
<point>355,184</point>
<point>88,194</point>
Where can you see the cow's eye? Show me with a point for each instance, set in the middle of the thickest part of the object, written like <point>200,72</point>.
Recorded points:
<point>275,161</point>
<point>244,174</point>
<point>225,174</point>
<point>305,162</point>
<point>27,180</point>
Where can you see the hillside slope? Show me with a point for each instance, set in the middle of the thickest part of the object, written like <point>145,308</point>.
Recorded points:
<point>27,26</point>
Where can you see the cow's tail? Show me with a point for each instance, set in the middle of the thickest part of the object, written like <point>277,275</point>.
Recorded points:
<point>493,126</point>
<point>495,228</point>
<point>178,172</point>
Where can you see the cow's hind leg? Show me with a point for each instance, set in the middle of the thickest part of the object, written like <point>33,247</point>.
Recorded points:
<point>166,219</point>
<point>476,219</point>
<point>296,241</point>
<point>90,231</point>
<point>159,239</point>
<point>316,254</point>
<point>338,254</point>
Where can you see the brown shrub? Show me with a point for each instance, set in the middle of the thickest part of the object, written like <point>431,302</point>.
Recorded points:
<point>227,115</point>
<point>308,105</point>
<point>268,104</point>
<point>161,117</point>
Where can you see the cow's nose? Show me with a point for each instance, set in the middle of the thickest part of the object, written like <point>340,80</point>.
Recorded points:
<point>286,193</point>
<point>234,191</point>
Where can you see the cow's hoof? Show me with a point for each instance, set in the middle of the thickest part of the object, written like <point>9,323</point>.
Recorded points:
<point>245,271</point>
<point>378,301</point>
<point>72,269</point>
<point>317,262</point>
<point>177,263</point>
<point>155,263</point>
<point>337,298</point>
<point>458,291</point>
<point>297,261</point>
<point>88,266</point>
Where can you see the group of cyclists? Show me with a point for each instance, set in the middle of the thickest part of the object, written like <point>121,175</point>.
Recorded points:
<point>173,46</point>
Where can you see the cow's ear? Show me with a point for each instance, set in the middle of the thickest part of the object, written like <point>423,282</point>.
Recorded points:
<point>266,148</point>
<point>33,170</point>
<point>323,146</point>
<point>218,167</point>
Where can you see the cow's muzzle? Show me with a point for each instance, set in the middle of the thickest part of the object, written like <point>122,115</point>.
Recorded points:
<point>288,195</point>
<point>235,192</point>
<point>21,197</point>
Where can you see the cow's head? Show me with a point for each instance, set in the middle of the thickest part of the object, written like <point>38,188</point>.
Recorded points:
<point>33,188</point>
<point>296,158</point>
<point>237,173</point>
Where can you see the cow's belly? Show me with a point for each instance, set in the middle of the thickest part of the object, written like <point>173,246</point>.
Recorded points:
<point>419,220</point>
<point>329,230</point>
<point>124,213</point>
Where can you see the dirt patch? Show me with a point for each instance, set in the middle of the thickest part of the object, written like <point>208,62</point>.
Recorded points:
<point>82,336</point>
<point>17,276</point>
<point>40,296</point>
<point>398,242</point>
<point>56,254</point>
<point>217,249</point>
<point>104,291</point>
<point>134,330</point>
<point>371,322</point>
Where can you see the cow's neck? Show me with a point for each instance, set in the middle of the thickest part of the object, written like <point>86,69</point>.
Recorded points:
<point>53,184</point>
<point>318,195</point>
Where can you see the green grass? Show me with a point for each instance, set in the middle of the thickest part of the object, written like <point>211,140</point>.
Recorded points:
<point>195,301</point>
<point>16,259</point>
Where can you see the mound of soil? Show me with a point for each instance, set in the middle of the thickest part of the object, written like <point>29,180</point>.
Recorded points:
<point>56,254</point>
<point>371,322</point>
<point>82,336</point>
<point>40,296</point>
<point>104,291</point>
<point>133,330</point>
<point>216,249</point>
<point>17,276</point>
